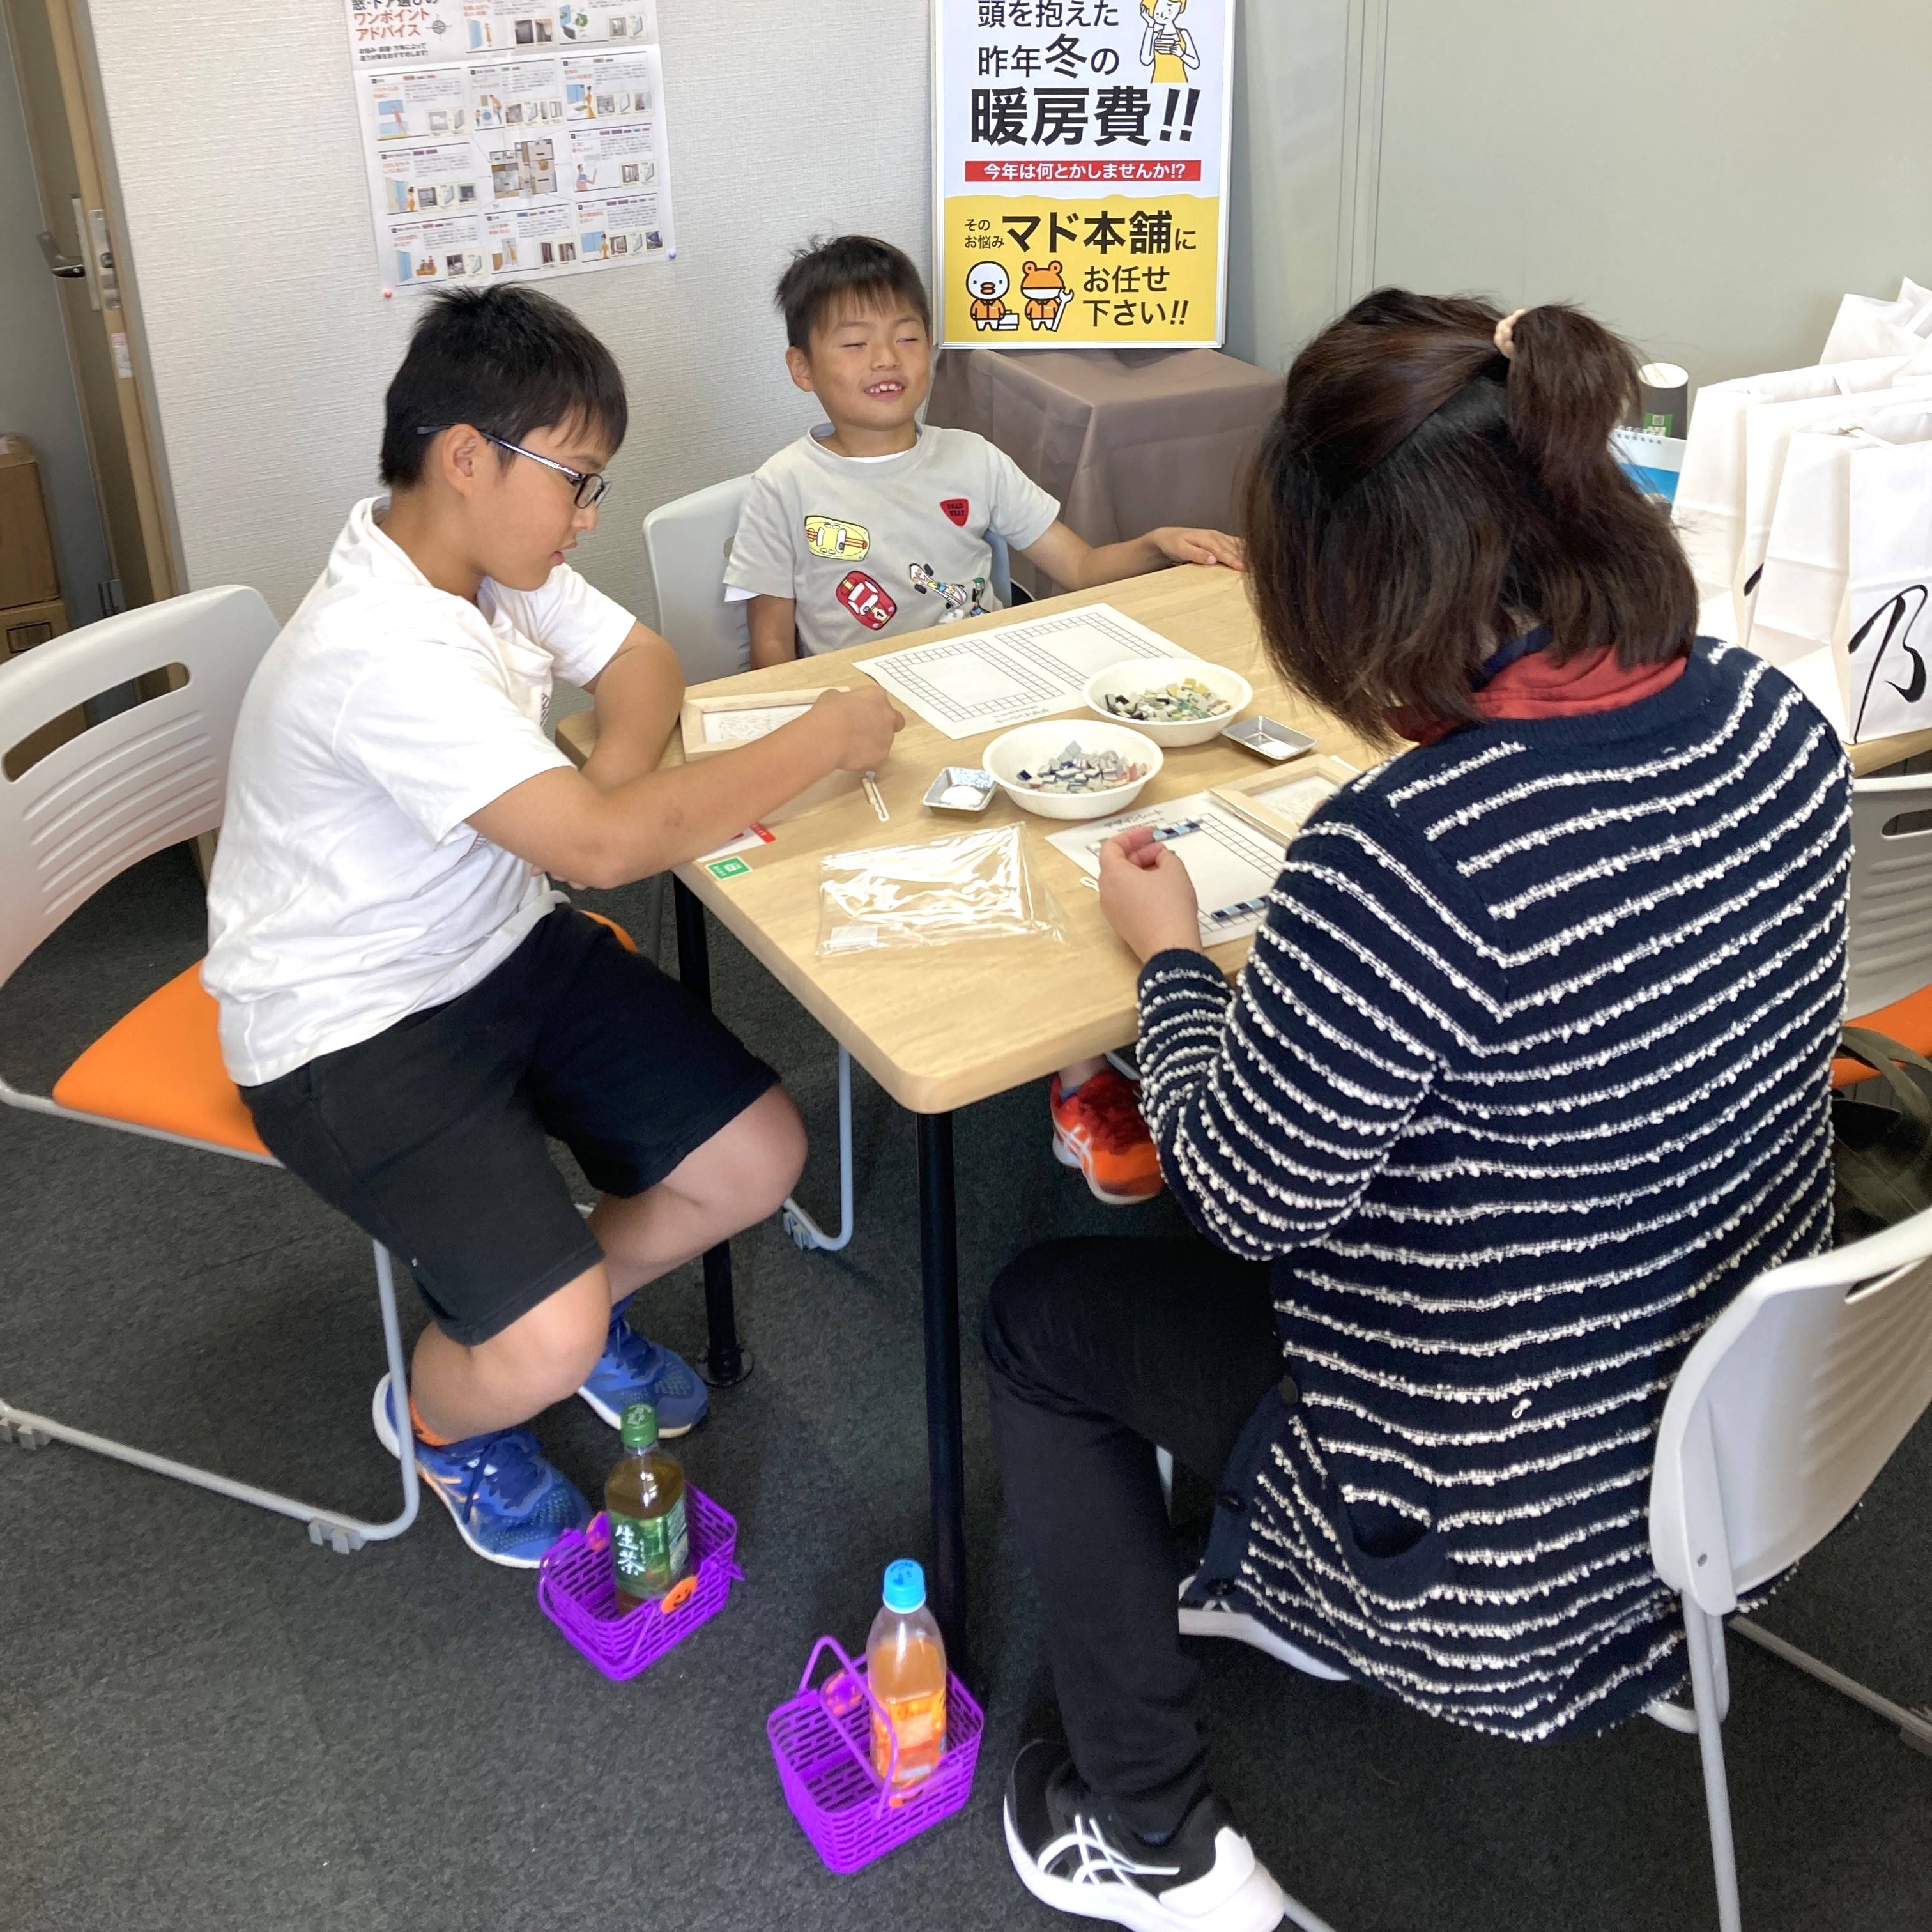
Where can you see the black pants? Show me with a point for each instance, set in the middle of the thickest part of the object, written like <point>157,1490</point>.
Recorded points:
<point>1098,1351</point>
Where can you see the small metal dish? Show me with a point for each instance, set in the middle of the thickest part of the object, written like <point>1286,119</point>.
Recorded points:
<point>1269,737</point>
<point>947,792</point>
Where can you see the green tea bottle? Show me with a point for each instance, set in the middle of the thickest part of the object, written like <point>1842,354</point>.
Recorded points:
<point>650,1548</point>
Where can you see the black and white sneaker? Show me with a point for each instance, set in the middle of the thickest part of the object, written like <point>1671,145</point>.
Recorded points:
<point>1203,1615</point>
<point>1071,1854</point>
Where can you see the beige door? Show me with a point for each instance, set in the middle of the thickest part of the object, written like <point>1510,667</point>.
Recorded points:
<point>67,132</point>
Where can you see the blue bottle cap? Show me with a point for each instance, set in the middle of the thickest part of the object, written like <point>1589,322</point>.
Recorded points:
<point>905,1586</point>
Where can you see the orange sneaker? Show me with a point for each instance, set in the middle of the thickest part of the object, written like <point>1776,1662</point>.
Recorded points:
<point>1099,1129</point>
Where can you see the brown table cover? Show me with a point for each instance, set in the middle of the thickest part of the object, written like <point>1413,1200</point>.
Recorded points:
<point>1126,438</point>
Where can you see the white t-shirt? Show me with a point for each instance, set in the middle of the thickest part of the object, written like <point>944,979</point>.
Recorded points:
<point>347,891</point>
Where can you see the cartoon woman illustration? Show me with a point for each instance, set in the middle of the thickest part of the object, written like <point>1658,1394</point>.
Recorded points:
<point>1167,46</point>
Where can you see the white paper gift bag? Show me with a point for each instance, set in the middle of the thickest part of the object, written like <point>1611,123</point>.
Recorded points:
<point>1801,595</point>
<point>1709,509</point>
<point>1768,430</point>
<point>1841,604</point>
<point>1887,641</point>
<point>1867,326</point>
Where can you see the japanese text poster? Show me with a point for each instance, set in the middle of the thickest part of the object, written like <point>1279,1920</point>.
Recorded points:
<point>504,138</point>
<point>1080,170</point>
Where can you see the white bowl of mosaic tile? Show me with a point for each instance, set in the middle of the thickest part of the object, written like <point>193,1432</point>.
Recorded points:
<point>1173,701</point>
<point>1071,768</point>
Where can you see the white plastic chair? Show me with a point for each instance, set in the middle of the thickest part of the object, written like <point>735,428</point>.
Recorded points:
<point>1890,949</point>
<point>1778,1422</point>
<point>1889,960</point>
<point>688,542</point>
<point>151,776</point>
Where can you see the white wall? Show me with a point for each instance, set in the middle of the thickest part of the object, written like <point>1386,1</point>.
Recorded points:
<point>1287,174</point>
<point>241,166</point>
<point>38,398</point>
<point>1707,178</point>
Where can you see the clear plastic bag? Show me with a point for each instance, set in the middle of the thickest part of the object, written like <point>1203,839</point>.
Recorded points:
<point>980,885</point>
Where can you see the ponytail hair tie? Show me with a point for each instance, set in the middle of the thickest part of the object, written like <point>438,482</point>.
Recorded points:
<point>1506,333</point>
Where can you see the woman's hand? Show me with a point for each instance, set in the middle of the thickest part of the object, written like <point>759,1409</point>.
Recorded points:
<point>1147,894</point>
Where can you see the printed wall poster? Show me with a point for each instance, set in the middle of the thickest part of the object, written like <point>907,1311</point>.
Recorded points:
<point>1080,163</point>
<point>504,140</point>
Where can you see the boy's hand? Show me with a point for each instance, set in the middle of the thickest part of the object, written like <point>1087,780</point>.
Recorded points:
<point>865,723</point>
<point>1179,546</point>
<point>1146,896</point>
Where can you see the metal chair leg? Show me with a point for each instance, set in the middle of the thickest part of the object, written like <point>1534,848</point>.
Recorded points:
<point>1299,1914</point>
<point>342,1533</point>
<point>805,1231</point>
<point>1705,1635</point>
<point>1914,1727</point>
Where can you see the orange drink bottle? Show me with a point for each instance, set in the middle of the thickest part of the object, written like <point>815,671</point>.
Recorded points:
<point>905,1664</point>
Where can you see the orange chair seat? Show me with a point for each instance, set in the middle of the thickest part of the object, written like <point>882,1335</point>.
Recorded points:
<point>624,939</point>
<point>1908,1020</point>
<point>161,1066</point>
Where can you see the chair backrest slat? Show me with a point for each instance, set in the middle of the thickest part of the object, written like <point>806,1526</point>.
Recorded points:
<point>130,784</point>
<point>1890,915</point>
<point>688,542</point>
<point>1787,1409</point>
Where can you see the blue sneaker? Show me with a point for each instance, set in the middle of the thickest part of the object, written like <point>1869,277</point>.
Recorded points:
<point>631,1370</point>
<point>509,1504</point>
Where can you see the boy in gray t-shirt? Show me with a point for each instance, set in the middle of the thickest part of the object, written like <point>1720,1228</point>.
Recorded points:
<point>873,525</point>
<point>856,547</point>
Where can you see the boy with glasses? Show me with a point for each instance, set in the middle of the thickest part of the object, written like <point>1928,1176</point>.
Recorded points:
<point>408,1006</point>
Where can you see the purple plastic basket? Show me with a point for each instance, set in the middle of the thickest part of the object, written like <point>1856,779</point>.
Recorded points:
<point>577,1591</point>
<point>821,1741</point>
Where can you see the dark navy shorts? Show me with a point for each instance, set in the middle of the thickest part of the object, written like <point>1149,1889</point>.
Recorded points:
<point>432,1137</point>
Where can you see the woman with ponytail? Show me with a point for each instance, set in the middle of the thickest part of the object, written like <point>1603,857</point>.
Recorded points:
<point>1526,1077</point>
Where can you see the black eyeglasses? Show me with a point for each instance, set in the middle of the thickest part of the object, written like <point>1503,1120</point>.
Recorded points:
<point>589,489</point>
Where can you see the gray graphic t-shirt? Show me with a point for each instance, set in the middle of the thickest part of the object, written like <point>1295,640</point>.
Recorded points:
<point>869,547</point>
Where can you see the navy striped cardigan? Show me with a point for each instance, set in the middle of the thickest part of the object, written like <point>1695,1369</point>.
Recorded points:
<point>1526,1077</point>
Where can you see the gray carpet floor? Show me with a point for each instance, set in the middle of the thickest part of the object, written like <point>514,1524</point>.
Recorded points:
<point>207,1723</point>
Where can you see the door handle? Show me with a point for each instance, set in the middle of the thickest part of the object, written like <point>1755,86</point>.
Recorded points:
<point>69,267</point>
<point>106,288</point>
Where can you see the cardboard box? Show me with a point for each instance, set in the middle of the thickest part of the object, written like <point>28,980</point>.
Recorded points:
<point>24,625</point>
<point>27,572</point>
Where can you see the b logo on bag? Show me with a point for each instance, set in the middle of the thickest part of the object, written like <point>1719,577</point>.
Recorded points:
<point>866,599</point>
<point>1900,612</point>
<point>957,508</point>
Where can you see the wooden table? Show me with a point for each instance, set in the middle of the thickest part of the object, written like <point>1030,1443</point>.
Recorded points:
<point>939,1029</point>
<point>1875,754</point>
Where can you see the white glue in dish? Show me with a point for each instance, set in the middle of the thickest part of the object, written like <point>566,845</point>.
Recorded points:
<point>960,788</point>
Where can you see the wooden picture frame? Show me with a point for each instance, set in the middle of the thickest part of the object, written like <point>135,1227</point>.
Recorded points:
<point>1246,798</point>
<point>701,741</point>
